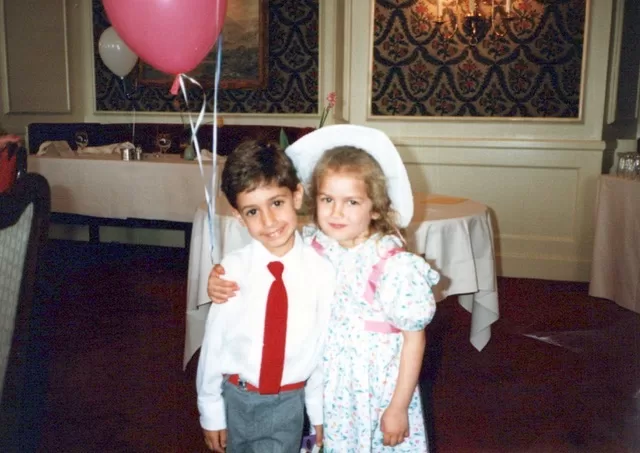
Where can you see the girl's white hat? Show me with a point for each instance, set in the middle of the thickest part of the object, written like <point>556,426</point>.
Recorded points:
<point>306,152</point>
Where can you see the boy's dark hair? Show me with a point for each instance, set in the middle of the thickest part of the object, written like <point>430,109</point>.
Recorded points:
<point>253,164</point>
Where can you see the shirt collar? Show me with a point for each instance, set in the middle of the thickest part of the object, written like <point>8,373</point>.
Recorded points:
<point>262,256</point>
<point>382,243</point>
<point>324,240</point>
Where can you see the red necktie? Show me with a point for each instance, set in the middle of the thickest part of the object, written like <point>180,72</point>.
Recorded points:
<point>275,333</point>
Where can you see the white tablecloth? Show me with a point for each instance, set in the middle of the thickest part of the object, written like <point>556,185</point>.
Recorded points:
<point>615,270</point>
<point>157,188</point>
<point>455,235</point>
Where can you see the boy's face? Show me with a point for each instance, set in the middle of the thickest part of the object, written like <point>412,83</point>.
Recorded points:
<point>269,213</point>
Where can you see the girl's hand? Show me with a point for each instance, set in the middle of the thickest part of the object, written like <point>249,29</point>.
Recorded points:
<point>394,425</point>
<point>220,290</point>
<point>319,435</point>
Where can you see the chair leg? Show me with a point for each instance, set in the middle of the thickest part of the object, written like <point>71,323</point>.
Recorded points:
<point>94,233</point>
<point>188,229</point>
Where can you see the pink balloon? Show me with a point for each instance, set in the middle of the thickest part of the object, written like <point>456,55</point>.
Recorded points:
<point>173,36</point>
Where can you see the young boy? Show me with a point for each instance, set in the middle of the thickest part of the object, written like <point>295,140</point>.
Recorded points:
<point>260,361</point>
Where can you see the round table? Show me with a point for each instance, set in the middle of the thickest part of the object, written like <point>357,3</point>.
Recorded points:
<point>454,235</point>
<point>615,270</point>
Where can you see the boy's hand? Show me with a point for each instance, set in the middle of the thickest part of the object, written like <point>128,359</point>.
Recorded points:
<point>219,290</point>
<point>319,435</point>
<point>216,440</point>
<point>394,425</point>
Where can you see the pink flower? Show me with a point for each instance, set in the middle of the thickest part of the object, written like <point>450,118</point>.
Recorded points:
<point>331,100</point>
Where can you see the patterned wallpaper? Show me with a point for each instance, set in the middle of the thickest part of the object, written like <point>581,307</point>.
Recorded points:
<point>533,70</point>
<point>292,70</point>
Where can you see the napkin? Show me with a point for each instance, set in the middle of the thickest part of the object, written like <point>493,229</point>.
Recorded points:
<point>56,148</point>
<point>206,154</point>
<point>113,148</point>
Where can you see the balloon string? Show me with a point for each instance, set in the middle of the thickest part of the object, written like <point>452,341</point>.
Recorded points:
<point>128,96</point>
<point>214,136</point>
<point>133,126</point>
<point>180,78</point>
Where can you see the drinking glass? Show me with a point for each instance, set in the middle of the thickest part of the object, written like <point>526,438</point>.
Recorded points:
<point>626,163</point>
<point>620,167</point>
<point>628,166</point>
<point>163,143</point>
<point>82,140</point>
<point>636,167</point>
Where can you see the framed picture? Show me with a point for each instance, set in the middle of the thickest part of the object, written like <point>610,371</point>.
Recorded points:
<point>244,51</point>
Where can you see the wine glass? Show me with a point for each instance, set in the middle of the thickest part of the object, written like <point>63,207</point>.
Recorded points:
<point>163,143</point>
<point>82,140</point>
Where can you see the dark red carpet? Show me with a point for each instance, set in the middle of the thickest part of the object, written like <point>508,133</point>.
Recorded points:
<point>561,373</point>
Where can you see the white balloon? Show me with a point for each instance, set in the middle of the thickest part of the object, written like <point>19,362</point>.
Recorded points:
<point>115,54</point>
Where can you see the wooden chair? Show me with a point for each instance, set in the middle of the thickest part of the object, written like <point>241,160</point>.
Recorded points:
<point>24,224</point>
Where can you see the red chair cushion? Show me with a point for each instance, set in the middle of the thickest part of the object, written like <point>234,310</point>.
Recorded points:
<point>7,169</point>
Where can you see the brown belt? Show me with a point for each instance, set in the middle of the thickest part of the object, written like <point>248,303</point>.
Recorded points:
<point>235,380</point>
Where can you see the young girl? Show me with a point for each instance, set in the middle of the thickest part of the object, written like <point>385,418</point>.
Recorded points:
<point>383,300</point>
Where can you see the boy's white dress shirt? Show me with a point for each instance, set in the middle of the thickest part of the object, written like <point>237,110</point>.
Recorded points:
<point>234,331</point>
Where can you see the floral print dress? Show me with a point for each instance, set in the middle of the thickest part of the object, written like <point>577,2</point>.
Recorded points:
<point>361,366</point>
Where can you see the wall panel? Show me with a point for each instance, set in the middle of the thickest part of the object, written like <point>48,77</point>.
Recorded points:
<point>541,197</point>
<point>36,57</point>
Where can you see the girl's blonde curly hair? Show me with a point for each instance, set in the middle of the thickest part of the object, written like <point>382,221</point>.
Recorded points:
<point>349,159</point>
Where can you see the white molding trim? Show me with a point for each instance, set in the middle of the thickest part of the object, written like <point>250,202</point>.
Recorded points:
<point>327,54</point>
<point>89,69</point>
<point>578,120</point>
<point>545,267</point>
<point>65,18</point>
<point>4,73</point>
<point>508,144</point>
<point>369,72</point>
<point>385,118</point>
<point>598,16</point>
<point>589,17</point>
<point>614,61</point>
<point>328,14</point>
<point>342,63</point>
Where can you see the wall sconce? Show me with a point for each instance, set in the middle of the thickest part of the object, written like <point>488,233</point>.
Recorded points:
<point>475,18</point>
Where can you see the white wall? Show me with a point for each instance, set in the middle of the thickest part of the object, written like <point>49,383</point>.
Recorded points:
<point>538,177</point>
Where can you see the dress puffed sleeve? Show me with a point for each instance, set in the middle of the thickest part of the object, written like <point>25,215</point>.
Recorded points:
<point>404,291</point>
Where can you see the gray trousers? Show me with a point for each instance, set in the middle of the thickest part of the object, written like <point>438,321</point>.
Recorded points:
<point>263,423</point>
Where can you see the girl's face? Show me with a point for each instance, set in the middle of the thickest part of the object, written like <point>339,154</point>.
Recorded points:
<point>344,210</point>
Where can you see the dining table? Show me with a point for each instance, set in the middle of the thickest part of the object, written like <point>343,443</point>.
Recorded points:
<point>160,191</point>
<point>454,234</point>
<point>159,187</point>
<point>615,268</point>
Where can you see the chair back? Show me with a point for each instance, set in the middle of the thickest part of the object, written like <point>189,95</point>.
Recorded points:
<point>13,164</point>
<point>24,224</point>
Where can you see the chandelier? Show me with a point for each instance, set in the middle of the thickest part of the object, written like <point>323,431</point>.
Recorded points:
<point>476,19</point>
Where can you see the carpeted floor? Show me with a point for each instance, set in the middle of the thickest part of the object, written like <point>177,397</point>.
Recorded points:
<point>561,373</point>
